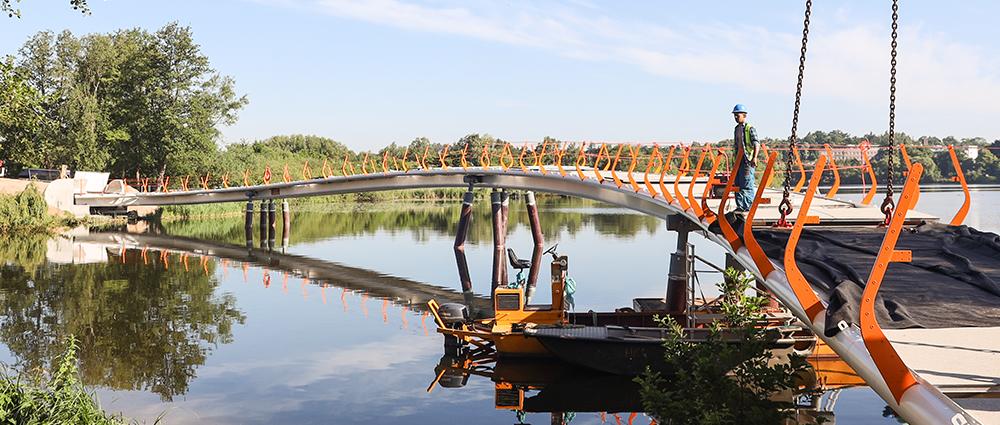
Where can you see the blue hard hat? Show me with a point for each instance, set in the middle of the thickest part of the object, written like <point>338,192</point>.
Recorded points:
<point>739,108</point>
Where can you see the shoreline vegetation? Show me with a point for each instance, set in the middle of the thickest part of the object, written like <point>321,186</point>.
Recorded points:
<point>55,397</point>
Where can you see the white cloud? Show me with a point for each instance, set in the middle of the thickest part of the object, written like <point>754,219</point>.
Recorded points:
<point>847,63</point>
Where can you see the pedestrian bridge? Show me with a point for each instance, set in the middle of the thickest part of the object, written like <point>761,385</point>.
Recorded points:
<point>698,194</point>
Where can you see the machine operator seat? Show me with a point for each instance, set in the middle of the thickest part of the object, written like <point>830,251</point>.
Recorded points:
<point>517,263</point>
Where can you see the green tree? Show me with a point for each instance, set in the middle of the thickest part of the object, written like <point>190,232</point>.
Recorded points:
<point>20,115</point>
<point>170,102</point>
<point>722,380</point>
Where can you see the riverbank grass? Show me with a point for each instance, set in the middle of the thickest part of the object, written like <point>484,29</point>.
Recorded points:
<point>60,399</point>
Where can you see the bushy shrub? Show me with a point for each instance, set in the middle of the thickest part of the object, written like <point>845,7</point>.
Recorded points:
<point>61,399</point>
<point>24,212</point>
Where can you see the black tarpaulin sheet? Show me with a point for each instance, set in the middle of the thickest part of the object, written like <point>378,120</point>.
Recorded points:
<point>953,280</point>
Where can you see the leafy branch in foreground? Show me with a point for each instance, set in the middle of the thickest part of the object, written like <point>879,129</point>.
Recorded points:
<point>7,6</point>
<point>731,377</point>
<point>61,399</point>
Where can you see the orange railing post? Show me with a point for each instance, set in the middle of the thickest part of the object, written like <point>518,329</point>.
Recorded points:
<point>484,158</point>
<point>803,292</point>
<point>443,157</point>
<point>906,158</point>
<point>707,213</point>
<point>802,170</point>
<point>663,176</point>
<point>506,157</point>
<point>614,167</point>
<point>759,258</point>
<point>540,158</point>
<point>836,174</point>
<point>727,229</point>
<point>871,173</point>
<point>959,177</point>
<point>631,168</point>
<point>654,158</point>
<point>681,171</point>
<point>581,160</point>
<point>559,159</point>
<point>692,201</point>
<point>895,373</point>
<point>597,168</point>
<point>402,162</point>
<point>462,160</point>
<point>520,159</point>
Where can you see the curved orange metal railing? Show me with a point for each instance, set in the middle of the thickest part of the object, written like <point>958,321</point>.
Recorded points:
<point>803,291</point>
<point>707,214</point>
<point>614,167</point>
<point>960,178</point>
<point>802,170</point>
<point>656,161</point>
<point>895,373</point>
<point>871,173</point>
<point>836,174</point>
<point>727,229</point>
<point>906,158</point>
<point>692,201</point>
<point>663,174</point>
<point>631,167</point>
<point>681,172</point>
<point>756,253</point>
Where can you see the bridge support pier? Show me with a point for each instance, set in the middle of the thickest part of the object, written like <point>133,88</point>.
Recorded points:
<point>465,217</point>
<point>681,265</point>
<point>539,242</point>
<point>263,224</point>
<point>272,224</point>
<point>504,209</point>
<point>286,224</point>
<point>499,244</point>
<point>248,224</point>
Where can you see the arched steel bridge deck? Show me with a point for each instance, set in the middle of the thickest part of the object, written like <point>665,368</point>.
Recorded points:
<point>919,402</point>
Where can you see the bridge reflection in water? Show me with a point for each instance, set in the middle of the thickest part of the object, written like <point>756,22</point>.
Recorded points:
<point>520,386</point>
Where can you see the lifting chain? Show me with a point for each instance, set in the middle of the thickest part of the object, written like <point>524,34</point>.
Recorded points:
<point>888,204</point>
<point>785,207</point>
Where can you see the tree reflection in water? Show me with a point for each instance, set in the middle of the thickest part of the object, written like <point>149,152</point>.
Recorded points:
<point>140,327</point>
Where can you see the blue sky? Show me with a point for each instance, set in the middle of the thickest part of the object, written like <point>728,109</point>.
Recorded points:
<point>368,73</point>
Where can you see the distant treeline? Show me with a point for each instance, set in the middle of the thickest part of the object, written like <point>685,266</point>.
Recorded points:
<point>140,103</point>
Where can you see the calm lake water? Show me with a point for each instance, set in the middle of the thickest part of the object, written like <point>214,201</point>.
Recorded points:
<point>211,341</point>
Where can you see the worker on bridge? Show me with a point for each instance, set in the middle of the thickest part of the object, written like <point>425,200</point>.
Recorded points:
<point>745,140</point>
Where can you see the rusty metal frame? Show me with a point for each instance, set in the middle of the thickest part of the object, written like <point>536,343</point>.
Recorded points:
<point>803,291</point>
<point>895,373</point>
